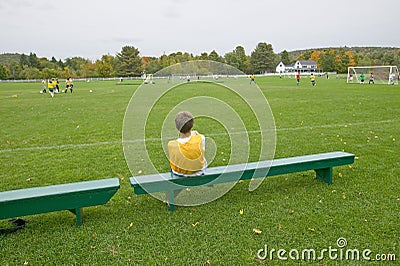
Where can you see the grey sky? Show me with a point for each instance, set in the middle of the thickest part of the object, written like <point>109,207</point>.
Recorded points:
<point>91,28</point>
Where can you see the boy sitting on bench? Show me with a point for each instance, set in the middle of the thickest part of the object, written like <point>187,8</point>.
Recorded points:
<point>187,152</point>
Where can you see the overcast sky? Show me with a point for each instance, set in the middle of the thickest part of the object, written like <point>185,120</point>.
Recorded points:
<point>91,28</point>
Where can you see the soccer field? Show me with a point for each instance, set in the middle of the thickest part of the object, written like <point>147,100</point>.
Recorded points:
<point>77,137</point>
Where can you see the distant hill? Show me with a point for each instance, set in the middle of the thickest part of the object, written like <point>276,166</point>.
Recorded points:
<point>370,52</point>
<point>7,58</point>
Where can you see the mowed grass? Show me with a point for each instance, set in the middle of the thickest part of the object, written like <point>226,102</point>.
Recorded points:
<point>76,137</point>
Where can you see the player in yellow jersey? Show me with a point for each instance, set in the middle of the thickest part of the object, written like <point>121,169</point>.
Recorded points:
<point>68,84</point>
<point>312,79</point>
<point>187,152</point>
<point>50,86</point>
<point>252,77</point>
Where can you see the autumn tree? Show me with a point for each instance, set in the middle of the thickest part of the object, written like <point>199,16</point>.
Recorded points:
<point>104,66</point>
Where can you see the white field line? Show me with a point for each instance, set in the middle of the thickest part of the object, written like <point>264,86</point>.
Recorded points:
<point>115,142</point>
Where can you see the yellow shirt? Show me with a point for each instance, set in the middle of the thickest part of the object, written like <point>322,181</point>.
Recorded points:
<point>187,158</point>
<point>50,85</point>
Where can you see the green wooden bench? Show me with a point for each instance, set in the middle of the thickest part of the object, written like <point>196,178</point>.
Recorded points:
<point>72,197</point>
<point>322,164</point>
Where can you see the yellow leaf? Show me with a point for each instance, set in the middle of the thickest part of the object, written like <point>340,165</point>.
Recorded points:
<point>340,175</point>
<point>344,196</point>
<point>241,212</point>
<point>195,224</point>
<point>130,226</point>
<point>291,211</point>
<point>280,226</point>
<point>257,231</point>
<point>28,179</point>
<point>92,247</point>
<point>376,137</point>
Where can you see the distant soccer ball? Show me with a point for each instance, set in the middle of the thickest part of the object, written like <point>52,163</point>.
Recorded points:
<point>90,91</point>
<point>40,91</point>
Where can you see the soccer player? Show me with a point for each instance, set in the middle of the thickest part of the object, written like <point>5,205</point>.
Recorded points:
<point>312,79</point>
<point>298,78</point>
<point>56,87</point>
<point>187,152</point>
<point>44,86</point>
<point>252,77</point>
<point>371,78</point>
<point>69,85</point>
<point>362,78</point>
<point>50,86</point>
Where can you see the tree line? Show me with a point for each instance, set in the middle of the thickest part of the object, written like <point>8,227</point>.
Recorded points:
<point>129,62</point>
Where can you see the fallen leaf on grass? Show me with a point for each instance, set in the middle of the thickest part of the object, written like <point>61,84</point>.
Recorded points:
<point>241,212</point>
<point>257,231</point>
<point>195,224</point>
<point>291,211</point>
<point>92,247</point>
<point>311,229</point>
<point>207,263</point>
<point>344,196</point>
<point>280,226</point>
<point>130,226</point>
<point>340,174</point>
<point>28,179</point>
<point>94,235</point>
<point>26,263</point>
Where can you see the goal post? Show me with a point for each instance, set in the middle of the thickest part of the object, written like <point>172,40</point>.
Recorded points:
<point>373,74</point>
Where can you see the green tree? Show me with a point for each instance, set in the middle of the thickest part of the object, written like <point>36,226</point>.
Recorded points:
<point>15,70</point>
<point>203,56</point>
<point>129,62</point>
<point>4,72</point>
<point>328,60</point>
<point>33,61</point>
<point>263,58</point>
<point>23,60</point>
<point>215,56</point>
<point>285,57</point>
<point>242,59</point>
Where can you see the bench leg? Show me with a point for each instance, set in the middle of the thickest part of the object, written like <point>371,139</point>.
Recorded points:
<point>324,175</point>
<point>170,197</point>
<point>78,213</point>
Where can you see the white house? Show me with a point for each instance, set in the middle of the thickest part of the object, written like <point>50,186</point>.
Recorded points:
<point>300,65</point>
<point>305,66</point>
<point>280,68</point>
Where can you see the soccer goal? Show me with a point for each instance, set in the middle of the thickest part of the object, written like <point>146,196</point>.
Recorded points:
<point>373,74</point>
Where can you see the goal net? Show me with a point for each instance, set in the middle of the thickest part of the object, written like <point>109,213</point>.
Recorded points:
<point>373,74</point>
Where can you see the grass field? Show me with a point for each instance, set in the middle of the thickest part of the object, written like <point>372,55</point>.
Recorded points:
<point>76,137</point>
